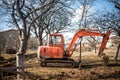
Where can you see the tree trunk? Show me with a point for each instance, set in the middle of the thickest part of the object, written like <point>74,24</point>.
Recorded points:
<point>116,53</point>
<point>40,40</point>
<point>40,36</point>
<point>95,48</point>
<point>20,56</point>
<point>0,52</point>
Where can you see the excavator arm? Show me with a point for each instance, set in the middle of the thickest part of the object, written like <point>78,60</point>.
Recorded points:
<point>82,33</point>
<point>104,42</point>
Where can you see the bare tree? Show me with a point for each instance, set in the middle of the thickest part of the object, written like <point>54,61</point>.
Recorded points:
<point>20,12</point>
<point>25,15</point>
<point>85,13</point>
<point>116,3</point>
<point>53,20</point>
<point>110,20</point>
<point>9,42</point>
<point>93,41</point>
<point>33,43</point>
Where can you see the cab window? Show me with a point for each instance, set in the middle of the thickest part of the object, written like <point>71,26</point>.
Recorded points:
<point>55,40</point>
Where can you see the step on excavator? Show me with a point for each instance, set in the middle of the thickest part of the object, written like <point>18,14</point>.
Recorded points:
<point>54,55</point>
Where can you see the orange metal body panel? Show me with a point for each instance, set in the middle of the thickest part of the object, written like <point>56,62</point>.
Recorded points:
<point>51,52</point>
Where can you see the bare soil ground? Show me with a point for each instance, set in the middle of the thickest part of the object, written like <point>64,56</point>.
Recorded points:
<point>92,68</point>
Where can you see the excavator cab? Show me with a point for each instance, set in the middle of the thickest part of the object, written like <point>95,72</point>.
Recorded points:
<point>56,40</point>
<point>54,48</point>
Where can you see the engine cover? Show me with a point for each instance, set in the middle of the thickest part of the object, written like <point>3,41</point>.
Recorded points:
<point>51,52</point>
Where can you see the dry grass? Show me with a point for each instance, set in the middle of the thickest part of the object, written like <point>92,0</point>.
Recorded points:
<point>7,56</point>
<point>92,68</point>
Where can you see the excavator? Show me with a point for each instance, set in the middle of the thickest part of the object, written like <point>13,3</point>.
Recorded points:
<point>53,54</point>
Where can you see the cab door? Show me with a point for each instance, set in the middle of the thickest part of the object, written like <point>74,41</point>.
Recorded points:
<point>56,40</point>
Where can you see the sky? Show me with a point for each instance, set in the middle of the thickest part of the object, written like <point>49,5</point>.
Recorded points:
<point>3,24</point>
<point>99,4</point>
<point>104,4</point>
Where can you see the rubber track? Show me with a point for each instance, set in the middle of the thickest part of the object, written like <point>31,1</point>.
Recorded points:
<point>58,63</point>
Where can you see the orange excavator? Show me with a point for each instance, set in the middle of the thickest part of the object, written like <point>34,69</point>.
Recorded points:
<point>54,54</point>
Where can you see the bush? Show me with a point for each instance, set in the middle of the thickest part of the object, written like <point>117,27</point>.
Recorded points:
<point>11,51</point>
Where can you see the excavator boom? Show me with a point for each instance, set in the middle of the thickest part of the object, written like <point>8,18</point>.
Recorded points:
<point>83,32</point>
